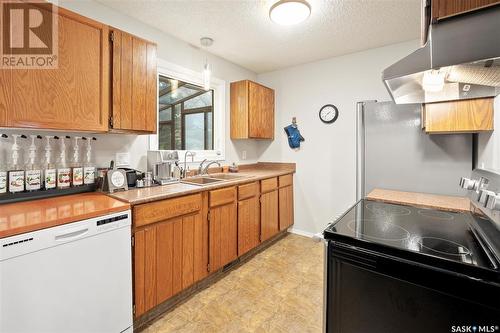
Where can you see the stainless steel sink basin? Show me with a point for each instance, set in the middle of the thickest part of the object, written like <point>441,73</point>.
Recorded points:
<point>200,181</point>
<point>225,176</point>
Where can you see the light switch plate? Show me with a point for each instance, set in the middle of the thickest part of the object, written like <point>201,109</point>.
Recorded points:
<point>122,159</point>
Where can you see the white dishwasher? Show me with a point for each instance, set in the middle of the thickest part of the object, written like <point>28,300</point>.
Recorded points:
<point>71,278</point>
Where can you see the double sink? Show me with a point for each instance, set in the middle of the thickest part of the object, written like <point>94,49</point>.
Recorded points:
<point>211,179</point>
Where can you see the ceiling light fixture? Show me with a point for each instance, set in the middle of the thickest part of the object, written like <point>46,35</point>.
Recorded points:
<point>207,71</point>
<point>289,12</point>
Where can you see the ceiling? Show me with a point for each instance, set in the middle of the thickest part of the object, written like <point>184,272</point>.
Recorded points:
<point>244,34</point>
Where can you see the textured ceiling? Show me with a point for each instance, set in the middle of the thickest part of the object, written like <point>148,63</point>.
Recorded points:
<point>244,34</point>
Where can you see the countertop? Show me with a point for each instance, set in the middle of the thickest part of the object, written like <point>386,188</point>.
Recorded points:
<point>424,200</point>
<point>21,217</point>
<point>248,173</point>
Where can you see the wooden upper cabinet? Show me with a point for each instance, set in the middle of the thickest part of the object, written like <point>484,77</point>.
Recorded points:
<point>466,116</point>
<point>134,83</point>
<point>445,8</point>
<point>252,111</point>
<point>73,96</point>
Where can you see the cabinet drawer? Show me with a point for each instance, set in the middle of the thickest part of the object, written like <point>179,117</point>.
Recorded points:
<point>248,190</point>
<point>222,196</point>
<point>286,180</point>
<point>267,185</point>
<point>165,209</point>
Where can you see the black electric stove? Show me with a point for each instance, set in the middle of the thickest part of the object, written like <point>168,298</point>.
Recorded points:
<point>394,268</point>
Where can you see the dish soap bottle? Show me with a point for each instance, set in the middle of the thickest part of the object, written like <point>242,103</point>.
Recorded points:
<point>16,173</point>
<point>63,171</point>
<point>33,174</point>
<point>76,167</point>
<point>3,171</point>
<point>88,166</point>
<point>49,169</point>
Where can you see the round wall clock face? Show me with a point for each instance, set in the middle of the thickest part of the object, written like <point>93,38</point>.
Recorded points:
<point>328,113</point>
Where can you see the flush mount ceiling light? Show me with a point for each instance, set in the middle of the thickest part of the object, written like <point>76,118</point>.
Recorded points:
<point>289,12</point>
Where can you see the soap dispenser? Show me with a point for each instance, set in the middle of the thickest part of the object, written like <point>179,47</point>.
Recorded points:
<point>76,166</point>
<point>16,172</point>
<point>63,171</point>
<point>33,173</point>
<point>49,169</point>
<point>88,166</point>
<point>3,170</point>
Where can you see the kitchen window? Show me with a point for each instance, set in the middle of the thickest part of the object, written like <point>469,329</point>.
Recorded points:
<point>185,115</point>
<point>189,117</point>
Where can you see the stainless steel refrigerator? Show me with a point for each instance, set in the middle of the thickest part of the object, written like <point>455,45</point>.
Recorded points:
<point>393,152</point>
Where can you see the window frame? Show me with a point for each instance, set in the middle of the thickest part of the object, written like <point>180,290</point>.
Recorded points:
<point>218,86</point>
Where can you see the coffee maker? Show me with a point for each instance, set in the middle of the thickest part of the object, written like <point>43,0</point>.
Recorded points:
<point>161,163</point>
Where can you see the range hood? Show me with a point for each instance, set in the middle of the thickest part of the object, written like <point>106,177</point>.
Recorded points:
<point>460,60</point>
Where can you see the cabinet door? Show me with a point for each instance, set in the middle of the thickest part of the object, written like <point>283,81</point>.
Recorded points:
<point>134,83</point>
<point>75,95</point>
<point>248,224</point>
<point>223,235</point>
<point>260,111</point>
<point>144,270</point>
<point>286,207</point>
<point>445,8</point>
<point>269,223</point>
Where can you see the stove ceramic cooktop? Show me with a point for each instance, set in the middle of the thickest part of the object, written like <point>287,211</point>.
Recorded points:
<point>445,235</point>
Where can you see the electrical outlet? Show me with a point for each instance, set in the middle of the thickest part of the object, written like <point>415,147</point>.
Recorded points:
<point>122,159</point>
<point>244,155</point>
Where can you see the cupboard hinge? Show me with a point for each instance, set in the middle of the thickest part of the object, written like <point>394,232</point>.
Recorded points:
<point>133,241</point>
<point>133,309</point>
<point>112,36</point>
<point>208,267</point>
<point>111,121</point>
<point>208,216</point>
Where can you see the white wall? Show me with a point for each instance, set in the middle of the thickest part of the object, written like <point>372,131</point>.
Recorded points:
<point>174,51</point>
<point>488,144</point>
<point>326,161</point>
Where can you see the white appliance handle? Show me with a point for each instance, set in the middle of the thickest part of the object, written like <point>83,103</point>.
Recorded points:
<point>70,234</point>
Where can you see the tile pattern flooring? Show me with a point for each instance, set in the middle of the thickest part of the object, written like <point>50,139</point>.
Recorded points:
<point>278,290</point>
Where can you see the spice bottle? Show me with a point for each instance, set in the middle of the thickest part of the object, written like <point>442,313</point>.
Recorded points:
<point>16,172</point>
<point>3,170</point>
<point>33,173</point>
<point>63,170</point>
<point>76,166</point>
<point>88,166</point>
<point>49,169</point>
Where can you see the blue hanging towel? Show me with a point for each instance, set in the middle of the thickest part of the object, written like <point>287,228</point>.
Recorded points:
<point>294,136</point>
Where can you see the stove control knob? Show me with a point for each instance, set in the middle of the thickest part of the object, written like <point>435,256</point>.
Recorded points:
<point>483,195</point>
<point>469,184</point>
<point>492,201</point>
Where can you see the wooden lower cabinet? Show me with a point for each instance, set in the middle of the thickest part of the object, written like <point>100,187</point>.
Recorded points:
<point>285,207</point>
<point>169,256</point>
<point>223,228</point>
<point>269,222</point>
<point>248,224</point>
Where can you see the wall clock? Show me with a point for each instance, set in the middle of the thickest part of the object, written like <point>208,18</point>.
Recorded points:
<point>328,113</point>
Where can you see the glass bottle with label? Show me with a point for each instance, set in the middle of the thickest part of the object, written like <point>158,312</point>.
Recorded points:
<point>16,172</point>
<point>3,170</point>
<point>63,170</point>
<point>88,166</point>
<point>49,169</point>
<point>33,173</point>
<point>76,166</point>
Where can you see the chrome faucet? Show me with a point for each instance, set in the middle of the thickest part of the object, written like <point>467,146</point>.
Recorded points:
<point>204,170</point>
<point>186,154</point>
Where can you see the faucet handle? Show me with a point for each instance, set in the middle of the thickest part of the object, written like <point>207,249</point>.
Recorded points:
<point>492,201</point>
<point>483,196</point>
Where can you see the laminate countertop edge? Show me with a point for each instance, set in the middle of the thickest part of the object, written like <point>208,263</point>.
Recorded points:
<point>422,200</point>
<point>155,193</point>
